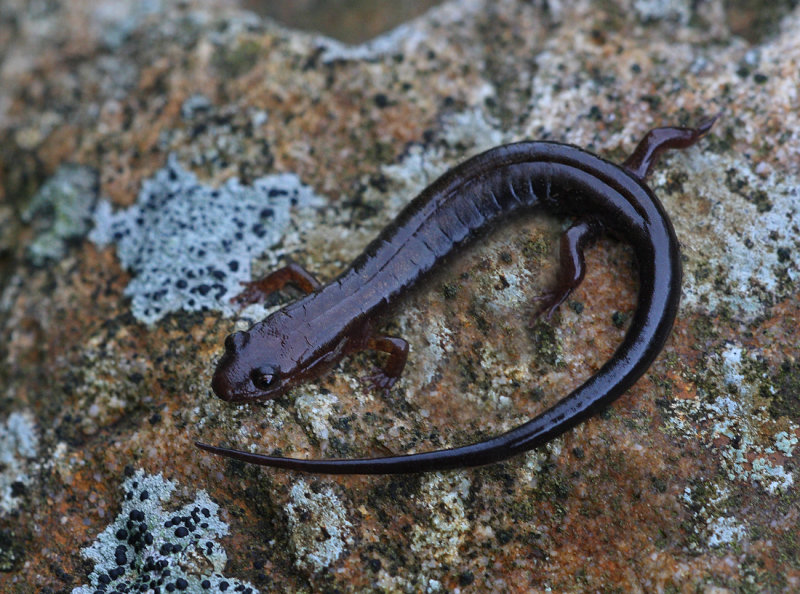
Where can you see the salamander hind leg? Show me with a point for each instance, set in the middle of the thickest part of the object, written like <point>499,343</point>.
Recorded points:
<point>292,274</point>
<point>572,267</point>
<point>386,377</point>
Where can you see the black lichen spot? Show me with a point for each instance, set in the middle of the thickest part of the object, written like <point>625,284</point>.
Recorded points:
<point>504,536</point>
<point>381,100</point>
<point>18,489</point>
<point>450,290</point>
<point>619,318</point>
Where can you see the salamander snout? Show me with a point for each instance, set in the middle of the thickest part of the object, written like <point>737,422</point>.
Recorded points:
<point>235,342</point>
<point>231,380</point>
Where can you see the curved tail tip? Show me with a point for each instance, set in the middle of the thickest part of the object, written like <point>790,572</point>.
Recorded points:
<point>705,124</point>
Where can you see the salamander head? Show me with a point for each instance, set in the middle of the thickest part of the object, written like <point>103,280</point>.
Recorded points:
<point>265,362</point>
<point>252,367</point>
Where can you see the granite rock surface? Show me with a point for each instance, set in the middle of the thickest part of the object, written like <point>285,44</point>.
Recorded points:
<point>153,155</point>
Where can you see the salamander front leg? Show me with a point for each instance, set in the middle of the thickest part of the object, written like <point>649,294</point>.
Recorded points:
<point>397,349</point>
<point>572,267</point>
<point>258,290</point>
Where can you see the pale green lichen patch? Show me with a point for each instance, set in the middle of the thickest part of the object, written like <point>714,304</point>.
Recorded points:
<point>437,539</point>
<point>732,263</point>
<point>712,523</point>
<point>785,443</point>
<point>443,497</point>
<point>439,343</point>
<point>189,245</point>
<point>19,443</point>
<point>319,529</point>
<point>61,211</point>
<point>678,11</point>
<point>728,416</point>
<point>315,411</point>
<point>150,548</point>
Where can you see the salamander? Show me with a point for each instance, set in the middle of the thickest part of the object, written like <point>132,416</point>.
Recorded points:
<point>308,337</point>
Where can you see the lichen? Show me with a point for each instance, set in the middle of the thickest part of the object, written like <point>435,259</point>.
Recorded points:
<point>711,525</point>
<point>436,541</point>
<point>149,548</point>
<point>407,35</point>
<point>188,245</point>
<point>61,211</point>
<point>108,384</point>
<point>443,496</point>
<point>467,132</point>
<point>733,378</point>
<point>19,443</point>
<point>672,10</point>
<point>318,524</point>
<point>732,263</point>
<point>729,419</point>
<point>315,411</point>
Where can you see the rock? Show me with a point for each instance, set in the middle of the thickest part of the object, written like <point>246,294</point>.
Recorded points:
<point>168,122</point>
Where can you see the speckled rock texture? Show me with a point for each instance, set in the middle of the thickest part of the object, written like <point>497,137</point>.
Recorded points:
<point>155,154</point>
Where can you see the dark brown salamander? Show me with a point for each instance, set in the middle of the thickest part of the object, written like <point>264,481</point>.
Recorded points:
<point>307,338</point>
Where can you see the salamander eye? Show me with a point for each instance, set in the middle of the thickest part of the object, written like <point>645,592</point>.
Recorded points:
<point>264,377</point>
